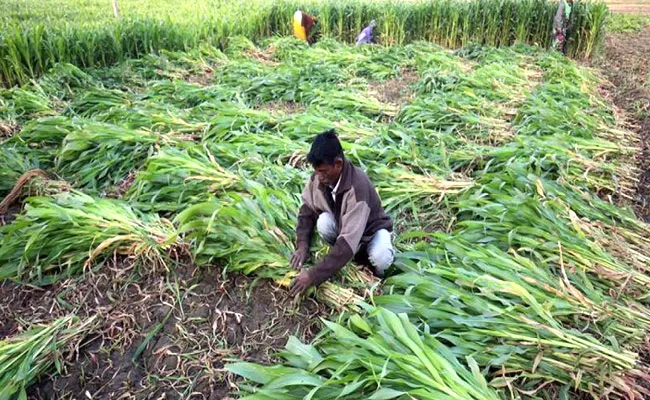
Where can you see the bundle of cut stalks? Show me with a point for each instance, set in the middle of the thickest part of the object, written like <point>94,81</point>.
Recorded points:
<point>23,358</point>
<point>382,356</point>
<point>56,237</point>
<point>174,178</point>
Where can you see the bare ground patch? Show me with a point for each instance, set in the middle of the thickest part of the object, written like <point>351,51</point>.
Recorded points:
<point>10,215</point>
<point>283,107</point>
<point>396,91</point>
<point>164,334</point>
<point>626,63</point>
<point>8,128</point>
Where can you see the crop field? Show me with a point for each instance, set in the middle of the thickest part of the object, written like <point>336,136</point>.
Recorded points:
<point>150,254</point>
<point>148,201</point>
<point>36,34</point>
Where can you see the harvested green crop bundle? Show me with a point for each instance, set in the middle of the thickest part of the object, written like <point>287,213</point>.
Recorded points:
<point>350,127</point>
<point>43,136</point>
<point>183,94</point>
<point>151,115</point>
<point>174,178</point>
<point>401,189</point>
<point>346,100</point>
<point>99,100</point>
<point>64,79</point>
<point>504,324</point>
<point>250,234</point>
<point>272,175</point>
<point>14,161</point>
<point>458,113</point>
<point>57,237</point>
<point>504,76</point>
<point>97,155</point>
<point>372,62</point>
<point>25,357</point>
<point>381,357</point>
<point>226,119</point>
<point>271,147</point>
<point>27,103</point>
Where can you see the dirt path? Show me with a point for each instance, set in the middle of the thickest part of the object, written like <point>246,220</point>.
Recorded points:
<point>626,63</point>
<point>629,6</point>
<point>634,8</point>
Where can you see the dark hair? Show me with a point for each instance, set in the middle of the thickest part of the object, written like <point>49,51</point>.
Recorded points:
<point>325,149</point>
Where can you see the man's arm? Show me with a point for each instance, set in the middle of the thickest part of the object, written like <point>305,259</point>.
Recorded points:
<point>304,231</point>
<point>307,218</point>
<point>353,224</point>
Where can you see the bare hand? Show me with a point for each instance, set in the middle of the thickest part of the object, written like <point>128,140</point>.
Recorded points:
<point>298,258</point>
<point>300,284</point>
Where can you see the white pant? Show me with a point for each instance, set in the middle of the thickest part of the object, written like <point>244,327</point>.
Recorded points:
<point>380,247</point>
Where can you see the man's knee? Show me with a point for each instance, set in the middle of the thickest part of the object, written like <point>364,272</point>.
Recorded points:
<point>380,252</point>
<point>381,259</point>
<point>326,226</point>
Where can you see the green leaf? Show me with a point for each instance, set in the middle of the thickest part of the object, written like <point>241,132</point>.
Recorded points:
<point>385,394</point>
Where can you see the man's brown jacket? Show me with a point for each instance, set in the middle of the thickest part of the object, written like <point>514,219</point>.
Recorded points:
<point>358,213</point>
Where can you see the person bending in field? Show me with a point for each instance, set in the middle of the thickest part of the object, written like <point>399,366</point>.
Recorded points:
<point>303,24</point>
<point>341,203</point>
<point>365,37</point>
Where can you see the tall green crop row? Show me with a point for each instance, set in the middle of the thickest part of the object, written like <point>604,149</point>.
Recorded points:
<point>449,23</point>
<point>31,45</point>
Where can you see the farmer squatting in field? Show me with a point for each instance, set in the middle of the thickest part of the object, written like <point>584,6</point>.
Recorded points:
<point>341,202</point>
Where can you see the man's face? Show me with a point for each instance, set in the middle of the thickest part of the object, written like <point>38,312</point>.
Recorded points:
<point>329,174</point>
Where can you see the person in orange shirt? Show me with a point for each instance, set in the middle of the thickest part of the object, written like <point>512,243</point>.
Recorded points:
<point>302,25</point>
